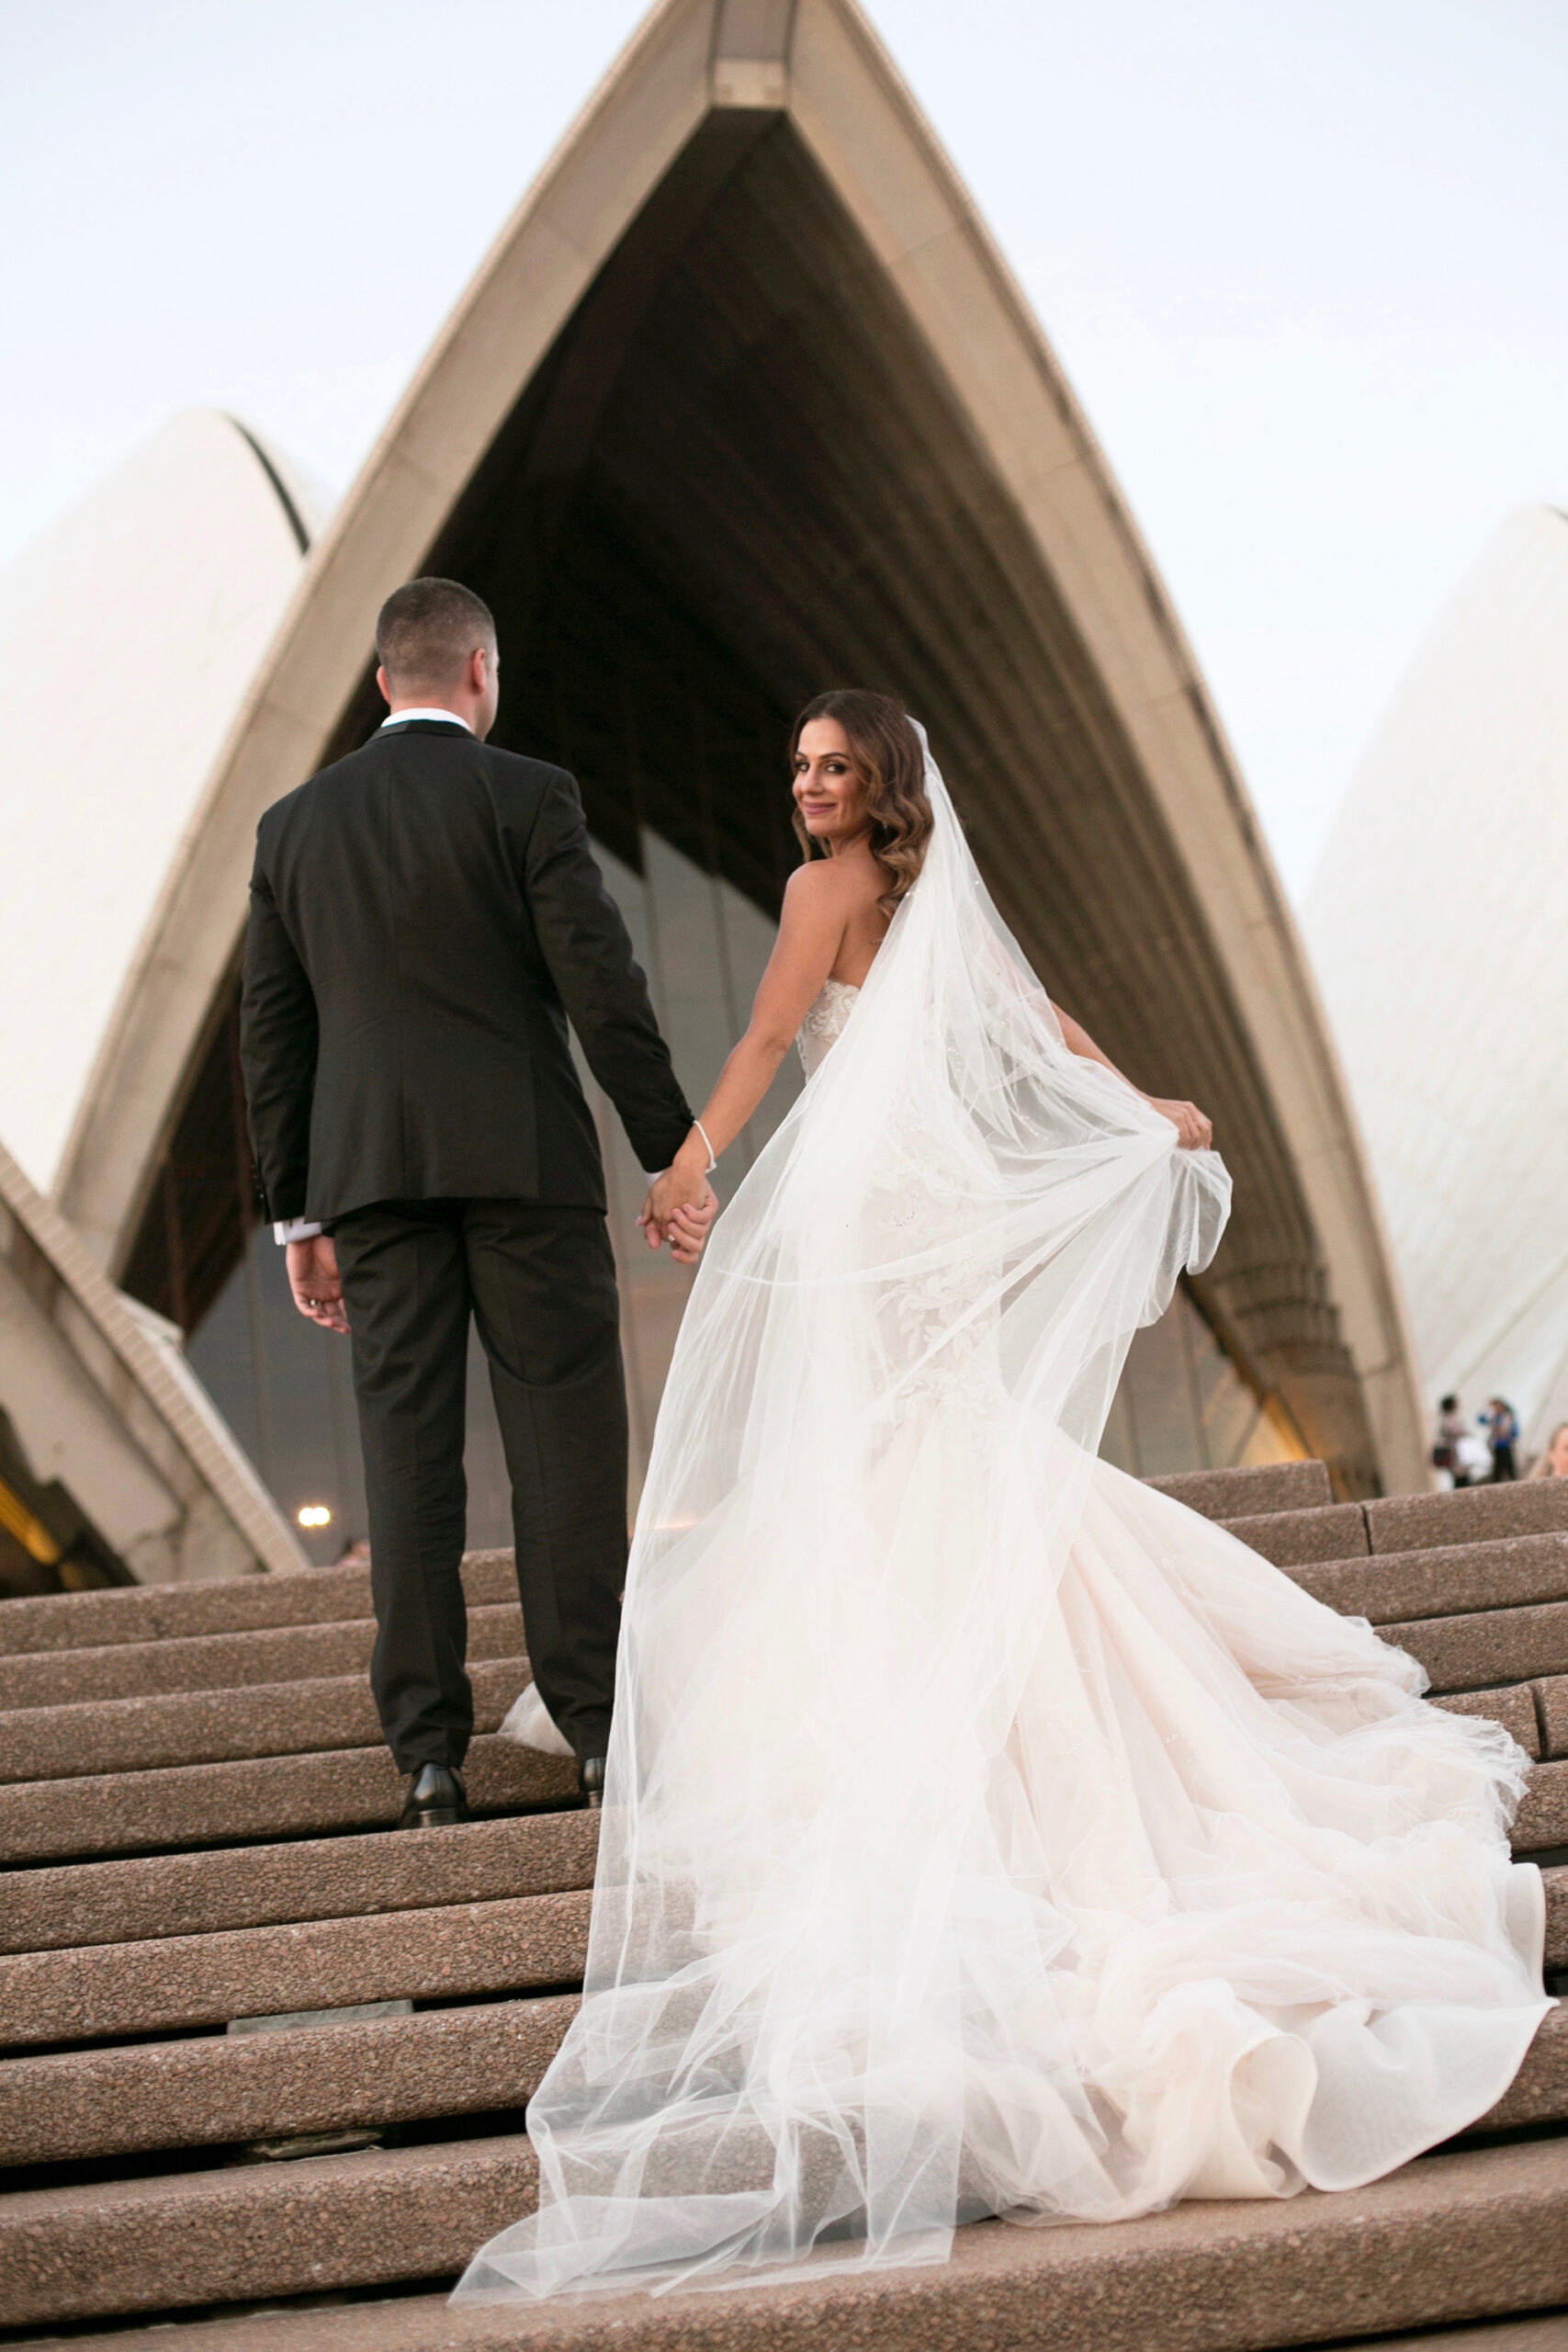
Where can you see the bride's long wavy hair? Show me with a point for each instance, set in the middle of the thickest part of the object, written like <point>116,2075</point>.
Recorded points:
<point>890,766</point>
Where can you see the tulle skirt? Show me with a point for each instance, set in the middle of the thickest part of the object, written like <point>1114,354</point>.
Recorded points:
<point>986,1833</point>
<point>1228,1911</point>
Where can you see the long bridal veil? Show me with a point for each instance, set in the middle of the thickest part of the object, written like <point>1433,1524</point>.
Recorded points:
<point>985,1833</point>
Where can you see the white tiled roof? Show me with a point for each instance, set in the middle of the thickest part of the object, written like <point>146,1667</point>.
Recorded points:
<point>129,634</point>
<point>1438,924</point>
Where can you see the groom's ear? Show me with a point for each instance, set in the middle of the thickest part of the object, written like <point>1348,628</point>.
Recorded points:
<point>384,686</point>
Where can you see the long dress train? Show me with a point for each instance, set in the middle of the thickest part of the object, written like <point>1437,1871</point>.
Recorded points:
<point>984,1832</point>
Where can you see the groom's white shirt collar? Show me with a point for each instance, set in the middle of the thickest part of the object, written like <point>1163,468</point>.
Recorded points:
<point>304,1229</point>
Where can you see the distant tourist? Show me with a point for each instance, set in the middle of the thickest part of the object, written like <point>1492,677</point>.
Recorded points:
<point>1452,1432</point>
<point>1552,1461</point>
<point>1501,1427</point>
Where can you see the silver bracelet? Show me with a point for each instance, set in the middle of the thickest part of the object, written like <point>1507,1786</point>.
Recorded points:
<point>713,1156</point>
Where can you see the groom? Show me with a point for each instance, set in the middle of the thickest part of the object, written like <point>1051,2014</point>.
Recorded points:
<point>425,918</point>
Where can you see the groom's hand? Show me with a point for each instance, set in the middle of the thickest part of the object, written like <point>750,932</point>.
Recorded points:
<point>317,1286</point>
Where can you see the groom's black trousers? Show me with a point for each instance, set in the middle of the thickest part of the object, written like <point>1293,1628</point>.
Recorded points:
<point>540,1284</point>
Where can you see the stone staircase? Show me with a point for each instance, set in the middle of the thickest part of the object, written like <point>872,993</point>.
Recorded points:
<point>192,1818</point>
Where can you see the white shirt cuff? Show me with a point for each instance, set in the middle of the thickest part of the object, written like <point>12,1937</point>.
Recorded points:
<point>295,1228</point>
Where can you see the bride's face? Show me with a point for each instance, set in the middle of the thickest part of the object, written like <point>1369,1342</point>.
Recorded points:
<point>826,790</point>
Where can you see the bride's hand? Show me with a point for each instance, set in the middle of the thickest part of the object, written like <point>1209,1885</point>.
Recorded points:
<point>1194,1129</point>
<point>688,1230</point>
<point>679,1209</point>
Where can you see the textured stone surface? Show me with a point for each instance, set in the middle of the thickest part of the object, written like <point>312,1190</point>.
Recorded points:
<point>330,1878</point>
<point>213,1726</point>
<point>424,2324</point>
<point>1556,1884</point>
<point>1453,2238</point>
<point>1507,1574</point>
<point>1488,1647</point>
<point>1539,2093</point>
<point>206,1804</point>
<point>1549,2334</point>
<point>464,1948</point>
<point>1472,1515</point>
<point>1242,1494</point>
<point>1513,1708</point>
<point>224,1661</point>
<point>69,1621</point>
<point>284,2229</point>
<point>1541,1822</point>
<point>229,2088</point>
<point>1551,1706</point>
<point>1289,1538</point>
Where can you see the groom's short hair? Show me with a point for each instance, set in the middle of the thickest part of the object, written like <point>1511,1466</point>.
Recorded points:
<point>426,631</point>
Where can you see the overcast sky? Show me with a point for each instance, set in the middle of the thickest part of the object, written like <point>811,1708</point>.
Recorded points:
<point>1304,260</point>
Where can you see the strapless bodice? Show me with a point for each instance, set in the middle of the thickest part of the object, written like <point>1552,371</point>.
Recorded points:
<point>825,1021</point>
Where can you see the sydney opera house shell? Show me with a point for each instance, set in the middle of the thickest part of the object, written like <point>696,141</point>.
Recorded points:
<point>1436,919</point>
<point>742,402</point>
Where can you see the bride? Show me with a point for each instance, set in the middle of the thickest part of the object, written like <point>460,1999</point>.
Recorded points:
<point>984,1832</point>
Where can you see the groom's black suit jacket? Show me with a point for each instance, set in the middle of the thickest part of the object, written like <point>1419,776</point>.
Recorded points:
<point>425,917</point>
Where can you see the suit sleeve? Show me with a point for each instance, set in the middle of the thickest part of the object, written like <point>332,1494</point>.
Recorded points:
<point>586,946</point>
<point>278,1052</point>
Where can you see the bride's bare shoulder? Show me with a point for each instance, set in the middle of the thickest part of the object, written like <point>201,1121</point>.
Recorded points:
<point>838,882</point>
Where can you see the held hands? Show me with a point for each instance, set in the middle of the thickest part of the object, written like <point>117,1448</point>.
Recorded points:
<point>317,1286</point>
<point>680,1208</point>
<point>1196,1132</point>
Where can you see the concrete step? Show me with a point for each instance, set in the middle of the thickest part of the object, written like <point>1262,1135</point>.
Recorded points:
<point>280,2229</point>
<point>1509,1573</point>
<point>435,1952</point>
<point>1541,1825</point>
<point>1304,1535</point>
<point>432,1952</point>
<point>1486,1647</point>
<point>281,1796</point>
<point>159,1895</point>
<point>1539,2092</point>
<point>276,1796</point>
<point>425,2323</point>
<point>225,2089</point>
<point>1237,1493</point>
<point>1514,1707</point>
<point>225,1661</point>
<point>106,1736</point>
<point>1450,2239</point>
<point>155,1612</point>
<point>1535,1713</point>
<point>1292,1538</point>
<point>1468,1515</point>
<point>100,1992</point>
<point>1547,2334</point>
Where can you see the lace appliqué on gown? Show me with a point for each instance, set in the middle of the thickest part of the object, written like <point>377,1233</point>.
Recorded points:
<point>824,1023</point>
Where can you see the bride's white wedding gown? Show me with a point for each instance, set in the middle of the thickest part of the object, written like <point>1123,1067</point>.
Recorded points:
<point>984,1832</point>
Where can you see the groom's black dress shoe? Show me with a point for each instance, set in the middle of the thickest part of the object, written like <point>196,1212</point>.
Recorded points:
<point>437,1799</point>
<point>591,1780</point>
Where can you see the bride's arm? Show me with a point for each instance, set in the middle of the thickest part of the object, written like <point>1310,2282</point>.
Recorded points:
<point>1194,1129</point>
<point>811,931</point>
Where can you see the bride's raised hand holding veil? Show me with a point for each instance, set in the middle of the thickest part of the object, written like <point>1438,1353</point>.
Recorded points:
<point>984,1833</point>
